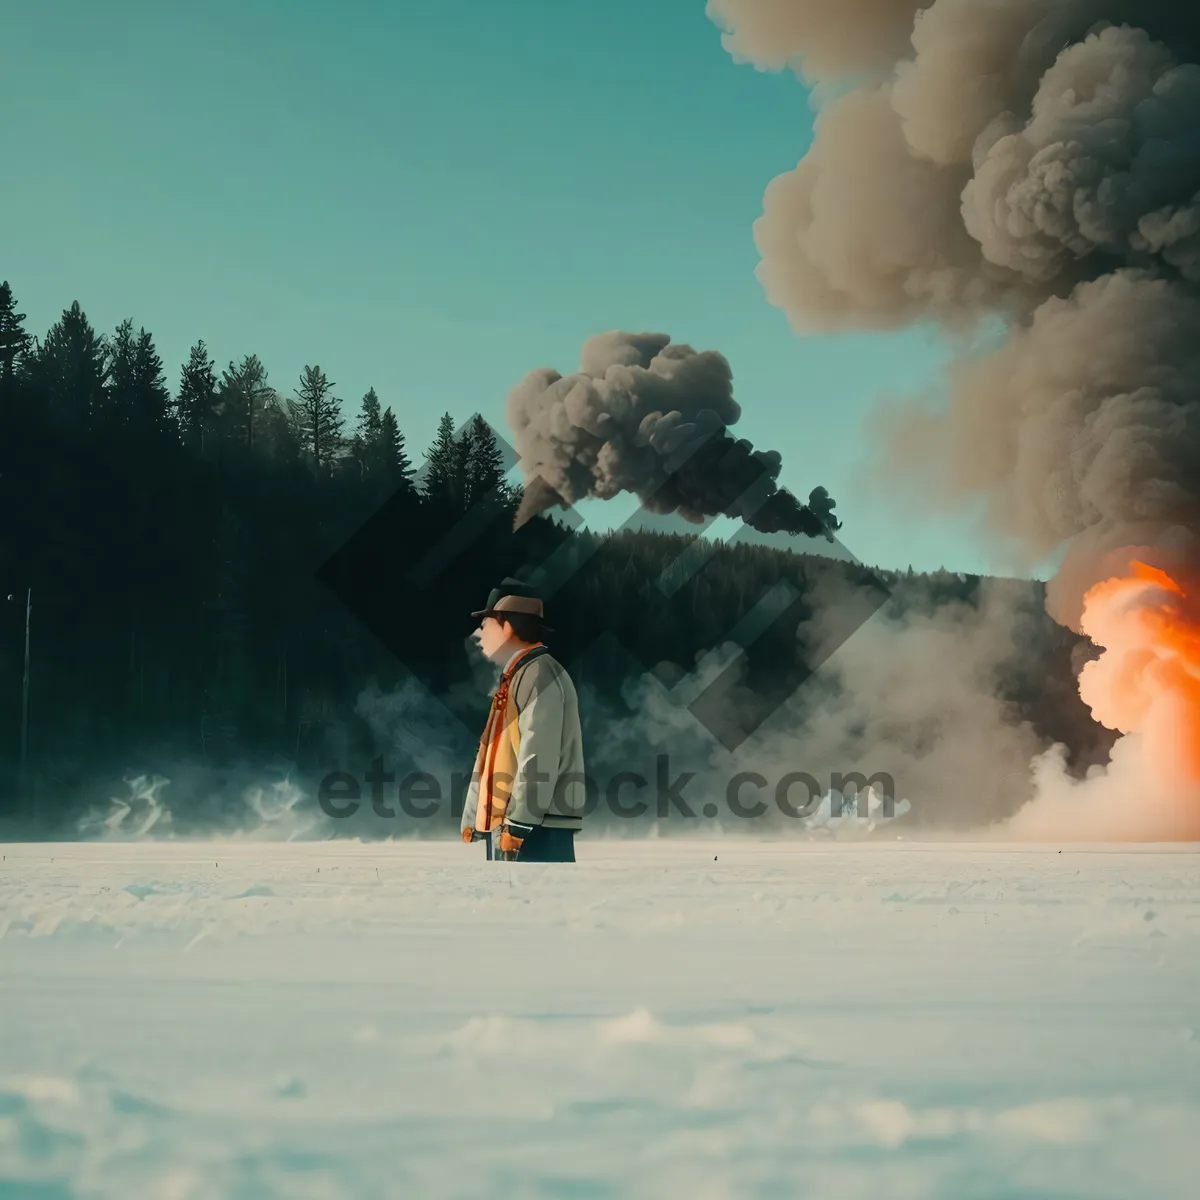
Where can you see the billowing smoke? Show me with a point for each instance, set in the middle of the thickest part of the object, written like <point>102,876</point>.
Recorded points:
<point>649,416</point>
<point>820,38</point>
<point>1036,162</point>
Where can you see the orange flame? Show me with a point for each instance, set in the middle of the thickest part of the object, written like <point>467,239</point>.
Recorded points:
<point>1147,680</point>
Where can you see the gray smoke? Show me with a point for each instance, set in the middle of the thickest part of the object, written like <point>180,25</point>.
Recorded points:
<point>1027,170</point>
<point>954,749</point>
<point>648,416</point>
<point>1032,160</point>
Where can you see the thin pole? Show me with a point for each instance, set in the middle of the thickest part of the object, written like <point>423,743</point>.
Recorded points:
<point>25,691</point>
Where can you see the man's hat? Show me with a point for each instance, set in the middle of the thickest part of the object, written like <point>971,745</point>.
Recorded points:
<point>512,596</point>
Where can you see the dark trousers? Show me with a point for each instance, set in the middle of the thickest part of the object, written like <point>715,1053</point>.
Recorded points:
<point>543,845</point>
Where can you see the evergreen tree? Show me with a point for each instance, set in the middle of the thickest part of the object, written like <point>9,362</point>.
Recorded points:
<point>197,400</point>
<point>393,459</point>
<point>14,341</point>
<point>485,464</point>
<point>441,462</point>
<point>378,446</point>
<point>136,397</point>
<point>460,460</point>
<point>369,420</point>
<point>120,381</point>
<point>154,404</point>
<point>317,417</point>
<point>364,445</point>
<point>70,369</point>
<point>243,396</point>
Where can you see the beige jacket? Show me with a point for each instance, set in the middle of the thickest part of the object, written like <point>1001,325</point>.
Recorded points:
<point>545,740</point>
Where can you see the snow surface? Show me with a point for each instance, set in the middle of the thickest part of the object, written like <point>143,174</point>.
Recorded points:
<point>667,1018</point>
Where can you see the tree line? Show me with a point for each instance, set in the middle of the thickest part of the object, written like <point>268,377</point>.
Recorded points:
<point>218,570</point>
<point>171,537</point>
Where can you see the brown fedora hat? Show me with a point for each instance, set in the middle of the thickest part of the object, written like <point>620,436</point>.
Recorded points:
<point>502,601</point>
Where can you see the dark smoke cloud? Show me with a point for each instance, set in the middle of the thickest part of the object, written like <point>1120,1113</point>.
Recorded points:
<point>1032,160</point>
<point>1104,170</point>
<point>648,416</point>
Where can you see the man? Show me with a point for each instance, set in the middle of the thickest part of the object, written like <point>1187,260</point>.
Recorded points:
<point>527,791</point>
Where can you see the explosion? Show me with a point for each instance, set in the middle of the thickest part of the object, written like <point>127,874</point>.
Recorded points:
<point>1029,168</point>
<point>1147,680</point>
<point>1146,685</point>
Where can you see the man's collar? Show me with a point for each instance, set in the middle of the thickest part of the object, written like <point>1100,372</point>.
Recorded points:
<point>521,648</point>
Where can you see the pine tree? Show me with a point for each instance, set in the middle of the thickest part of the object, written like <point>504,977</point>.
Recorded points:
<point>70,369</point>
<point>393,460</point>
<point>243,396</point>
<point>460,471</point>
<point>120,381</point>
<point>440,463</point>
<point>197,399</point>
<point>154,404</point>
<point>136,398</point>
<point>14,341</point>
<point>364,446</point>
<point>369,420</point>
<point>317,417</point>
<point>485,464</point>
<point>378,446</point>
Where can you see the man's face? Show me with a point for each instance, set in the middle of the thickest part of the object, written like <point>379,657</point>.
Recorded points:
<point>492,635</point>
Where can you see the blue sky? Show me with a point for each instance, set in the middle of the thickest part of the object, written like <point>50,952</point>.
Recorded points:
<point>433,200</point>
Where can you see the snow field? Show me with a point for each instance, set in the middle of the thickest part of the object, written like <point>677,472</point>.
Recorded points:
<point>669,1017</point>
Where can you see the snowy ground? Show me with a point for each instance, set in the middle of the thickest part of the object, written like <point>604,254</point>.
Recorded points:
<point>820,1020</point>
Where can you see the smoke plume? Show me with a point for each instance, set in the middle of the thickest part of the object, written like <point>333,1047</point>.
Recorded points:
<point>1036,162</point>
<point>648,416</point>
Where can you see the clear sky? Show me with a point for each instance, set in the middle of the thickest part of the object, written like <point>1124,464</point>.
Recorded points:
<point>433,199</point>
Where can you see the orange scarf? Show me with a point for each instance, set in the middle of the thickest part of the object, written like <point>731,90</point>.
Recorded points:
<point>490,741</point>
